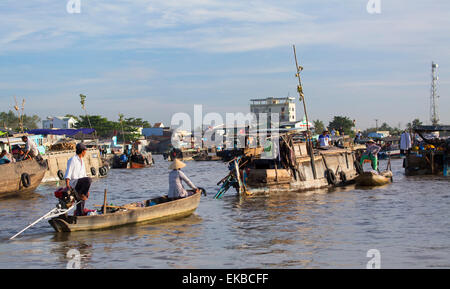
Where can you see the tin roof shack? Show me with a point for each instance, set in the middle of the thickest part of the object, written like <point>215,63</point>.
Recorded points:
<point>285,165</point>
<point>430,152</point>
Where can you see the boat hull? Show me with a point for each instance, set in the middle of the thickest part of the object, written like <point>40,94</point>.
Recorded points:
<point>134,165</point>
<point>373,179</point>
<point>165,211</point>
<point>11,177</point>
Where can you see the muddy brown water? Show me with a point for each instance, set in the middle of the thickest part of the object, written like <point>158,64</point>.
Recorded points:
<point>408,222</point>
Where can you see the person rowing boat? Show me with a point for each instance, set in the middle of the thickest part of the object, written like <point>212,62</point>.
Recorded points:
<point>77,179</point>
<point>176,176</point>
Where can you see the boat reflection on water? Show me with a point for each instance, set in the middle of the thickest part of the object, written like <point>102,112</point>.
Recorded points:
<point>152,239</point>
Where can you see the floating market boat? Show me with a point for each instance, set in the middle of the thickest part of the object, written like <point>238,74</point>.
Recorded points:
<point>138,161</point>
<point>430,152</point>
<point>374,179</point>
<point>153,210</point>
<point>21,177</point>
<point>293,170</point>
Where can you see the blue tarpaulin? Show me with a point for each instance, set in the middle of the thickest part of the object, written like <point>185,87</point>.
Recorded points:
<point>69,132</point>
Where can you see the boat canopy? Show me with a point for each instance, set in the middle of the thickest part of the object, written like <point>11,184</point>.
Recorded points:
<point>432,128</point>
<point>69,132</point>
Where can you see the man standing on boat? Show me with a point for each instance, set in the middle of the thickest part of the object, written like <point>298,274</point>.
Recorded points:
<point>176,176</point>
<point>405,143</point>
<point>371,153</point>
<point>76,177</point>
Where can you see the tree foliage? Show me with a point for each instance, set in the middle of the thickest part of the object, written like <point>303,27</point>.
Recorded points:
<point>108,128</point>
<point>384,127</point>
<point>319,126</point>
<point>342,122</point>
<point>415,122</point>
<point>11,120</point>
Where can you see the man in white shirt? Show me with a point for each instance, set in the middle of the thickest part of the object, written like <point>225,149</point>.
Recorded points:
<point>30,148</point>
<point>405,143</point>
<point>76,177</point>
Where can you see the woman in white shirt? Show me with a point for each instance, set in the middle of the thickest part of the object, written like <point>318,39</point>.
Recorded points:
<point>176,176</point>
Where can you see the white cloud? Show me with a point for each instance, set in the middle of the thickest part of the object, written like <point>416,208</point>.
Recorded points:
<point>220,26</point>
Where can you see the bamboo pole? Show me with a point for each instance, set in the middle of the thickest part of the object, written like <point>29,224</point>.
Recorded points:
<point>308,131</point>
<point>7,137</point>
<point>104,203</point>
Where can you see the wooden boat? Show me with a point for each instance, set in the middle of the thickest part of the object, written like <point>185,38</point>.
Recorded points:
<point>156,209</point>
<point>134,165</point>
<point>374,179</point>
<point>21,177</point>
<point>200,158</point>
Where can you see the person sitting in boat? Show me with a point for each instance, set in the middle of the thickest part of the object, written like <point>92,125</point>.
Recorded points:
<point>31,150</point>
<point>76,177</point>
<point>324,139</point>
<point>371,153</point>
<point>176,176</point>
<point>3,158</point>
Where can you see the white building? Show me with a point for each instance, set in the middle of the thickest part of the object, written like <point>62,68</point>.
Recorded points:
<point>284,107</point>
<point>58,122</point>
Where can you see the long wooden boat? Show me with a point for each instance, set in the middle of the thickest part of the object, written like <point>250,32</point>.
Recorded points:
<point>21,177</point>
<point>156,209</point>
<point>374,179</point>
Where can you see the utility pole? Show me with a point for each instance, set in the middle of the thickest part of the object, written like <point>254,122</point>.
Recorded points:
<point>434,116</point>
<point>376,124</point>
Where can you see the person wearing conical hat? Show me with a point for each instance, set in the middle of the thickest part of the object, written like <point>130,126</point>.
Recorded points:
<point>371,153</point>
<point>176,177</point>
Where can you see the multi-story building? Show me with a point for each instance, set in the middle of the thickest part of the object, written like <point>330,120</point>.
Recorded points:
<point>283,106</point>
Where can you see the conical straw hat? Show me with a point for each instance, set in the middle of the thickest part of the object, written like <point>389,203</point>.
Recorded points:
<point>177,164</point>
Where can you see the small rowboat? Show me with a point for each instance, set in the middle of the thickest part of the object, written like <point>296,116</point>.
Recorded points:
<point>156,209</point>
<point>374,179</point>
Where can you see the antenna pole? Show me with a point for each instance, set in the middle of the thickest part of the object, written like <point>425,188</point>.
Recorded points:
<point>433,107</point>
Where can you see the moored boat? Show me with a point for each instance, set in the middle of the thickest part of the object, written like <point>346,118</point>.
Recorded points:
<point>153,210</point>
<point>21,177</point>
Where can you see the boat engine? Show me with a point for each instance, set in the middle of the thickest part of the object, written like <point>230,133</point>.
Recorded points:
<point>66,198</point>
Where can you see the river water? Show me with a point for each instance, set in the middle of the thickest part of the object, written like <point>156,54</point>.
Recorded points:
<point>408,222</point>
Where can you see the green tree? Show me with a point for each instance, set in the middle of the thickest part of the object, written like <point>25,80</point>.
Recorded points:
<point>342,122</point>
<point>415,122</point>
<point>102,125</point>
<point>319,126</point>
<point>10,119</point>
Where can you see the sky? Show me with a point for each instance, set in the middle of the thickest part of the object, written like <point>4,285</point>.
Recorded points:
<point>154,58</point>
